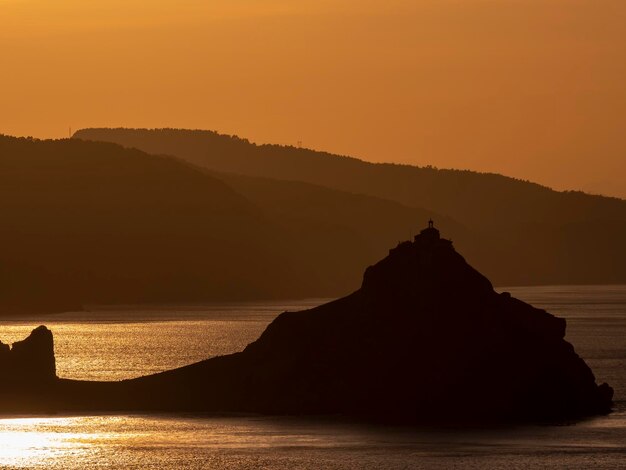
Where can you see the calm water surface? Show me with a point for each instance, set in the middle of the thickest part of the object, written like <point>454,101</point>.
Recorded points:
<point>121,343</point>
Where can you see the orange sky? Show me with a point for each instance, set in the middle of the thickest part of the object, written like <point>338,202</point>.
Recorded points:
<point>529,88</point>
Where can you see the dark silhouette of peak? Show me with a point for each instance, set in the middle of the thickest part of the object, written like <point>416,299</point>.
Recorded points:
<point>420,267</point>
<point>532,234</point>
<point>425,339</point>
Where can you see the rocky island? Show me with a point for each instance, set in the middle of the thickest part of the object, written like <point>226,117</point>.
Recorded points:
<point>425,339</point>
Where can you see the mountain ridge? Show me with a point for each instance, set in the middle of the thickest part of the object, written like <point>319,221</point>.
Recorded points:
<point>532,231</point>
<point>94,223</point>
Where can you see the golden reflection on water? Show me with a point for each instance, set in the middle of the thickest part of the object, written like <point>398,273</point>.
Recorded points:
<point>178,336</point>
<point>25,442</point>
<point>187,441</point>
<point>49,442</point>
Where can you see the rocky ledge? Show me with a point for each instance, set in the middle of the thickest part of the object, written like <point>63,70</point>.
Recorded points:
<point>30,361</point>
<point>425,339</point>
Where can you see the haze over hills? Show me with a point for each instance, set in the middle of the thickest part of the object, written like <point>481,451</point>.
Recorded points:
<point>97,223</point>
<point>92,223</point>
<point>536,235</point>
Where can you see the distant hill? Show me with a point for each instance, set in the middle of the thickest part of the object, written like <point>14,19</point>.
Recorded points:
<point>338,228</point>
<point>92,223</point>
<point>537,235</point>
<point>97,223</point>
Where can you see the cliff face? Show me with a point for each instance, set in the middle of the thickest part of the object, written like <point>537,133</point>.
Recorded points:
<point>29,361</point>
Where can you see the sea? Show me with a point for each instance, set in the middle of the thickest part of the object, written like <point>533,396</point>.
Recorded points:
<point>129,341</point>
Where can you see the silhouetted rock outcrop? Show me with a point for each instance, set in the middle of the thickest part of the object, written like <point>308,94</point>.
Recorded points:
<point>30,360</point>
<point>426,338</point>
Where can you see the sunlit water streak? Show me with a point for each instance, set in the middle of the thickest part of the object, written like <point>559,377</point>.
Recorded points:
<point>129,342</point>
<point>121,343</point>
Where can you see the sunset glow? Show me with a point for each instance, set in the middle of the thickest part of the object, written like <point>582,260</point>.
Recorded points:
<point>532,89</point>
<point>312,234</point>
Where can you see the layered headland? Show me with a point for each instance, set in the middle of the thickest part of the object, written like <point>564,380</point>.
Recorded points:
<point>425,339</point>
